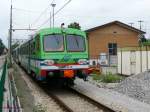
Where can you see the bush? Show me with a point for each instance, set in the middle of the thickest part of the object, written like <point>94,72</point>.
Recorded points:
<point>96,77</point>
<point>111,78</point>
<point>107,78</point>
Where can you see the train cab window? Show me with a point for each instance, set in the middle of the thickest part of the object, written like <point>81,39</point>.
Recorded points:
<point>54,42</point>
<point>75,43</point>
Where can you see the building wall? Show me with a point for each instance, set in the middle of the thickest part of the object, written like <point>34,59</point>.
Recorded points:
<point>99,39</point>
<point>133,61</point>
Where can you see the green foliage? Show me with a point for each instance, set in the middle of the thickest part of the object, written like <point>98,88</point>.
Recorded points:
<point>97,77</point>
<point>142,40</point>
<point>111,78</point>
<point>107,78</point>
<point>74,25</point>
<point>147,43</point>
<point>39,108</point>
<point>2,47</point>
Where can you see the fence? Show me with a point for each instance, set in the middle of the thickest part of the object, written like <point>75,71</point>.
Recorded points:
<point>104,60</point>
<point>105,63</point>
<point>133,60</point>
<point>9,101</point>
<point>2,81</point>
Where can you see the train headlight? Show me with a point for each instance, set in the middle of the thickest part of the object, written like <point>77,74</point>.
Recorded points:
<point>48,62</point>
<point>82,61</point>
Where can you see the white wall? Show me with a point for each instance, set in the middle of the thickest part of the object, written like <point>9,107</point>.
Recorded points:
<point>148,59</point>
<point>131,62</point>
<point>138,63</point>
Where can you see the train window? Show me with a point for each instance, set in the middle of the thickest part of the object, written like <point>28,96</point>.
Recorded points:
<point>32,47</point>
<point>54,43</point>
<point>38,43</point>
<point>75,43</point>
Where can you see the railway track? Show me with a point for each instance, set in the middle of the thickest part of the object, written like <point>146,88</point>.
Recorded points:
<point>73,101</point>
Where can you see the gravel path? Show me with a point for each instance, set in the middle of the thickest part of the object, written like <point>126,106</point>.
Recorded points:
<point>136,86</point>
<point>75,102</point>
<point>101,84</point>
<point>43,103</point>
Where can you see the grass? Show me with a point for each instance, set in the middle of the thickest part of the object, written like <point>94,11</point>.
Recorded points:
<point>39,108</point>
<point>107,78</point>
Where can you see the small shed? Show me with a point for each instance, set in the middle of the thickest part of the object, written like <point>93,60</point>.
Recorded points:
<point>133,60</point>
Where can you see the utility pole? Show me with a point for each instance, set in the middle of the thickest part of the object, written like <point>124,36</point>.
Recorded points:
<point>50,20</point>
<point>53,6</point>
<point>140,22</point>
<point>10,35</point>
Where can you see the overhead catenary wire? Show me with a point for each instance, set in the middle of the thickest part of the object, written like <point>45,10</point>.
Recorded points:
<point>25,10</point>
<point>42,13</point>
<point>55,13</point>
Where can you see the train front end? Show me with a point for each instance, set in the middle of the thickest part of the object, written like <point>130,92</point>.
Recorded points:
<point>64,54</point>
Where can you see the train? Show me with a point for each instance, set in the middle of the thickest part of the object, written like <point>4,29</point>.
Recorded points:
<point>60,53</point>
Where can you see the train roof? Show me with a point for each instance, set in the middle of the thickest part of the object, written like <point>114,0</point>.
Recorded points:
<point>60,30</point>
<point>46,31</point>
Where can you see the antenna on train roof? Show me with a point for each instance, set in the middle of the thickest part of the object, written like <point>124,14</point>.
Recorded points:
<point>62,27</point>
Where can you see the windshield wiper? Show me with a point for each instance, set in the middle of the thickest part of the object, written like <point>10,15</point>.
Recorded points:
<point>77,42</point>
<point>57,41</point>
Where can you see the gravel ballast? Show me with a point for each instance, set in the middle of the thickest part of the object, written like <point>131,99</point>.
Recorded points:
<point>136,86</point>
<point>33,98</point>
<point>112,99</point>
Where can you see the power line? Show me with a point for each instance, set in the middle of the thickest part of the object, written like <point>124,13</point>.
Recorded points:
<point>36,20</point>
<point>39,16</point>
<point>140,22</point>
<point>24,10</point>
<point>55,13</point>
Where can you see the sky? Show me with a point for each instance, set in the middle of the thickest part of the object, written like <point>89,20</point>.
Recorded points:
<point>88,13</point>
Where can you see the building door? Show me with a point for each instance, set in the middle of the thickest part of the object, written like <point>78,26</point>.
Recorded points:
<point>112,50</point>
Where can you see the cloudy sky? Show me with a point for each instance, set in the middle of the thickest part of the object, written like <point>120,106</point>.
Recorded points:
<point>89,13</point>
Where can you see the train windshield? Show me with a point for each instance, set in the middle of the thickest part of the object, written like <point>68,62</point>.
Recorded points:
<point>75,43</point>
<point>53,43</point>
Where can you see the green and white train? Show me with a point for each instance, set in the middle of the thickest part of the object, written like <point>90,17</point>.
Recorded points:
<point>55,53</point>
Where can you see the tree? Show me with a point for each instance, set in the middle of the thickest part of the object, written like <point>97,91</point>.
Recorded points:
<point>2,47</point>
<point>74,25</point>
<point>142,39</point>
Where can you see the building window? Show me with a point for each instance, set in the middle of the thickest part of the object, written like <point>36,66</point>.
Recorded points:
<point>112,48</point>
